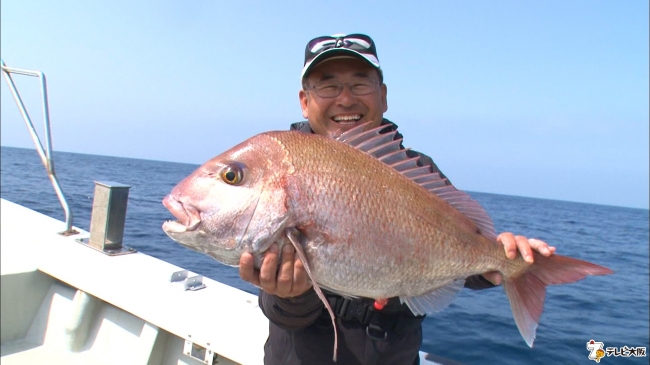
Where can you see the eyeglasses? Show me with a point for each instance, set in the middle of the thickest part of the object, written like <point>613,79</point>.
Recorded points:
<point>333,88</point>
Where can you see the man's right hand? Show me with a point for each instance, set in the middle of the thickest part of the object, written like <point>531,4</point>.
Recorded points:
<point>288,280</point>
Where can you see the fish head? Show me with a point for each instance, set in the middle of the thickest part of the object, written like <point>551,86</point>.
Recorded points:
<point>234,203</point>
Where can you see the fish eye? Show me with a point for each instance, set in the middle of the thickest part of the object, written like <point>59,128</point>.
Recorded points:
<point>232,174</point>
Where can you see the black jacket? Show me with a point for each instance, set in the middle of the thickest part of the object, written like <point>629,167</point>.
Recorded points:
<point>300,329</point>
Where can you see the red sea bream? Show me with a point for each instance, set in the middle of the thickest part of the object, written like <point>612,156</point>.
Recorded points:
<point>366,220</point>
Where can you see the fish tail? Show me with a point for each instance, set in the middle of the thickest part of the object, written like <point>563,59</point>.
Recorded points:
<point>527,291</point>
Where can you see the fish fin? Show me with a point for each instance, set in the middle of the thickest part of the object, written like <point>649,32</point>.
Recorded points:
<point>387,149</point>
<point>294,237</point>
<point>436,300</point>
<point>526,292</point>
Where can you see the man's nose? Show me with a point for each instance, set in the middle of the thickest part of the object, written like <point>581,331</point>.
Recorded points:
<point>346,97</point>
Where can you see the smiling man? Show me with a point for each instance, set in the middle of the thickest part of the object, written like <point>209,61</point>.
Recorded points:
<point>343,87</point>
<point>344,92</point>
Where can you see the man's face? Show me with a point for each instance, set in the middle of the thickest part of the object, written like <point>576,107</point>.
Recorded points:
<point>327,115</point>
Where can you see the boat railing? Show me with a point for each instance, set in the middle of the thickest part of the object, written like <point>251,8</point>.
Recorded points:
<point>45,153</point>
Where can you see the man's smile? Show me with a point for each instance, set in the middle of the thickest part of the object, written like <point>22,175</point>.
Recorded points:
<point>347,119</point>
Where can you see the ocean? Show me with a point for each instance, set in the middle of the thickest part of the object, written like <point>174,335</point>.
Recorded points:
<point>477,328</point>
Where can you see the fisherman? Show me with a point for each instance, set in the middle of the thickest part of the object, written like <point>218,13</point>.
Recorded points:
<point>342,87</point>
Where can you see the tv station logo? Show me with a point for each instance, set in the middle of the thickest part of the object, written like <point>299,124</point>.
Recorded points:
<point>597,351</point>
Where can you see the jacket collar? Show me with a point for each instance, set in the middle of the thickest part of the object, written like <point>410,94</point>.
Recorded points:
<point>305,128</point>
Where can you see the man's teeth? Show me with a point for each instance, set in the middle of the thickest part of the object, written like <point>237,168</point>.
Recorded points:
<point>349,118</point>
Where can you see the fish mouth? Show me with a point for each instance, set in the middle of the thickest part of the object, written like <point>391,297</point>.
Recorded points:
<point>188,217</point>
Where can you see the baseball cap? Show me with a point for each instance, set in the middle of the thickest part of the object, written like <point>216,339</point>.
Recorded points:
<point>339,45</point>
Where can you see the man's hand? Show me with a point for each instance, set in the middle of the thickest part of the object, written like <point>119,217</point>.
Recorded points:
<point>512,244</point>
<point>288,280</point>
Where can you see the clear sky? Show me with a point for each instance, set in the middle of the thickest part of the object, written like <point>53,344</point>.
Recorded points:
<point>544,99</point>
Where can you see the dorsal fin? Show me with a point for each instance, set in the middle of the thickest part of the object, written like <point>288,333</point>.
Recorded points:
<point>386,148</point>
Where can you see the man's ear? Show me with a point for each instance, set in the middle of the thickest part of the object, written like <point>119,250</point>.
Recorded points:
<point>304,100</point>
<point>384,97</point>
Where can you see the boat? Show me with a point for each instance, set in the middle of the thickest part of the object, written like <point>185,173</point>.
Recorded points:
<point>71,296</point>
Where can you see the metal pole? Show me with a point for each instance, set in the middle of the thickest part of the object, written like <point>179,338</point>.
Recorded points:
<point>45,154</point>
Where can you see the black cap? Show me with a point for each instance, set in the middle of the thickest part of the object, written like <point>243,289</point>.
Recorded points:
<point>340,45</point>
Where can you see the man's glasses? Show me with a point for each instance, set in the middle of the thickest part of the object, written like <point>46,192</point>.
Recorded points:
<point>333,88</point>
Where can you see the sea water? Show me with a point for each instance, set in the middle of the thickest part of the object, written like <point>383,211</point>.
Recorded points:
<point>477,328</point>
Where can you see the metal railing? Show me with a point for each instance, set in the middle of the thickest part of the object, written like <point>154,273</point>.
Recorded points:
<point>44,153</point>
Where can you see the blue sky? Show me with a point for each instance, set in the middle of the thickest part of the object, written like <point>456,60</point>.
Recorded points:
<point>544,99</point>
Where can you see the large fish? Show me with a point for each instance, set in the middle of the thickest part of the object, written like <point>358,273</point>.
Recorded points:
<point>365,219</point>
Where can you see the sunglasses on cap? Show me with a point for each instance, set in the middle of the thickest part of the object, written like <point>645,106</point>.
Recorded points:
<point>321,48</point>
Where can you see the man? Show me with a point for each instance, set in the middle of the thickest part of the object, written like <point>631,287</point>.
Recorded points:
<point>342,88</point>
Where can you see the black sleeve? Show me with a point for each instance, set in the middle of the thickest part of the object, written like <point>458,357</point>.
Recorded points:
<point>291,313</point>
<point>478,282</point>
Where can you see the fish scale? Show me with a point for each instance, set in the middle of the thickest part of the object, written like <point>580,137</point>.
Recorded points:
<point>416,218</point>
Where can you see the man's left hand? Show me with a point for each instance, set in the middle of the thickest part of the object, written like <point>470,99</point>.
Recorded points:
<point>513,244</point>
